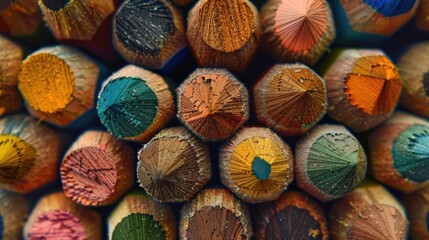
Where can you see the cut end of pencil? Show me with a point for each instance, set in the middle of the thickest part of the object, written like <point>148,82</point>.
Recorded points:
<point>374,85</point>
<point>57,224</point>
<point>89,175</point>
<point>46,82</point>
<point>16,158</point>
<point>136,225</point>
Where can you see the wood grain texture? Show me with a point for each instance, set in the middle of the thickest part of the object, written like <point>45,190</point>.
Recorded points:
<point>215,214</point>
<point>297,31</point>
<point>212,103</point>
<point>363,88</point>
<point>149,33</point>
<point>29,153</point>
<point>14,210</point>
<point>19,17</point>
<point>330,162</point>
<point>10,60</point>
<point>58,84</point>
<point>370,212</point>
<point>414,70</point>
<point>256,165</point>
<point>224,33</point>
<point>134,103</point>
<point>57,217</point>
<point>97,169</point>
<point>294,215</point>
<point>399,152</point>
<point>174,165</point>
<point>417,206</point>
<point>138,216</point>
<point>290,99</point>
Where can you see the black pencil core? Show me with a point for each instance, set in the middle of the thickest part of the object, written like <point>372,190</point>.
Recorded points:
<point>55,5</point>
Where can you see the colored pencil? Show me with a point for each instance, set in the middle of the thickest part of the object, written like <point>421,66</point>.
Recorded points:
<point>150,33</point>
<point>412,67</point>
<point>97,169</point>
<point>10,59</point>
<point>57,217</point>
<point>138,216</point>
<point>363,88</point>
<point>224,33</point>
<point>297,31</point>
<point>217,215</point>
<point>417,206</point>
<point>183,3</point>
<point>370,22</point>
<point>84,23</point>
<point>28,154</point>
<point>294,215</point>
<point>399,152</point>
<point>212,103</point>
<point>19,18</point>
<point>370,212</point>
<point>256,165</point>
<point>330,162</point>
<point>422,15</point>
<point>58,84</point>
<point>290,99</point>
<point>14,211</point>
<point>174,165</point>
<point>134,104</point>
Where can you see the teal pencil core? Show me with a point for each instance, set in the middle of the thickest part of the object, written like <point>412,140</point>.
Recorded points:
<point>261,169</point>
<point>410,153</point>
<point>334,165</point>
<point>139,226</point>
<point>127,107</point>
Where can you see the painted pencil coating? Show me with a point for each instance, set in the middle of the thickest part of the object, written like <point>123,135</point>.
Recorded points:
<point>224,33</point>
<point>78,20</point>
<point>10,59</point>
<point>370,212</point>
<point>422,16</point>
<point>399,152</point>
<point>417,206</point>
<point>19,17</point>
<point>28,154</point>
<point>135,103</point>
<point>363,88</point>
<point>212,103</point>
<point>290,98</point>
<point>215,214</point>
<point>14,210</point>
<point>297,30</point>
<point>97,169</point>
<point>330,162</point>
<point>294,215</point>
<point>58,84</point>
<point>57,217</point>
<point>413,67</point>
<point>149,33</point>
<point>174,165</point>
<point>139,215</point>
<point>256,165</point>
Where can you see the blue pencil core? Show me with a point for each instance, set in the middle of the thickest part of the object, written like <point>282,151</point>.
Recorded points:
<point>391,8</point>
<point>261,169</point>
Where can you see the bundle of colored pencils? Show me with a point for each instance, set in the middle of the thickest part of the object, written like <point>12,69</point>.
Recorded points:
<point>214,119</point>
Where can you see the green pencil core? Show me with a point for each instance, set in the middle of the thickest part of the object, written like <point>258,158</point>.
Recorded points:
<point>127,106</point>
<point>261,169</point>
<point>410,153</point>
<point>139,226</point>
<point>55,5</point>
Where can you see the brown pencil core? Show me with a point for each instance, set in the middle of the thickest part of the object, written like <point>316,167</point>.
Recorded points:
<point>89,175</point>
<point>215,223</point>
<point>46,82</point>
<point>227,25</point>
<point>57,224</point>
<point>55,5</point>
<point>374,85</point>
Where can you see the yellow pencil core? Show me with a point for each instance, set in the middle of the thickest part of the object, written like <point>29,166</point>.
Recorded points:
<point>46,82</point>
<point>16,158</point>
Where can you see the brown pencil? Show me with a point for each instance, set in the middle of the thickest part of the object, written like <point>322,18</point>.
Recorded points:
<point>417,206</point>
<point>14,210</point>
<point>19,18</point>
